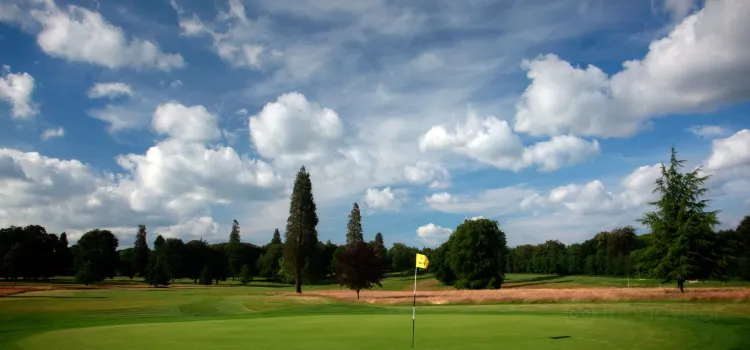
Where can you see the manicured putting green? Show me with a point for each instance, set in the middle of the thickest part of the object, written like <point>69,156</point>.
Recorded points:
<point>434,331</point>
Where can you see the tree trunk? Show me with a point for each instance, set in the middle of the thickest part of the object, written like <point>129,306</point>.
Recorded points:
<point>357,294</point>
<point>298,279</point>
<point>681,285</point>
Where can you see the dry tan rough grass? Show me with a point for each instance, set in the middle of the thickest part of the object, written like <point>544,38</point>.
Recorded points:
<point>9,290</point>
<point>538,295</point>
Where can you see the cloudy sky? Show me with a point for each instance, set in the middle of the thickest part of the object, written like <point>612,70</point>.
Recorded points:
<point>549,116</point>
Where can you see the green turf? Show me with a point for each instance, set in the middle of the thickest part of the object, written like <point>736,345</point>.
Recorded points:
<point>455,331</point>
<point>251,317</point>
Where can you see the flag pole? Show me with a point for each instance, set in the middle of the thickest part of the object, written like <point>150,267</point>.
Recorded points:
<point>414,307</point>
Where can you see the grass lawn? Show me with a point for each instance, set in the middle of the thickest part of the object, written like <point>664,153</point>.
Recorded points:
<point>259,317</point>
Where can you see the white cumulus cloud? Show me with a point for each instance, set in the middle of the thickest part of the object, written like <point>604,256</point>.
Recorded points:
<point>492,141</point>
<point>681,73</point>
<point>730,152</point>
<point>78,34</point>
<point>193,123</point>
<point>52,133</point>
<point>433,234</point>
<point>385,199</point>
<point>292,129</point>
<point>109,90</point>
<point>16,89</point>
<point>425,172</point>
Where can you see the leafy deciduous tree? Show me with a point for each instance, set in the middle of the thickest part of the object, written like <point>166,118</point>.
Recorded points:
<point>477,254</point>
<point>359,267</point>
<point>99,247</point>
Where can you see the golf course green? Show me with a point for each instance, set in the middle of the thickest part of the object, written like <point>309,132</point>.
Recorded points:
<point>451,331</point>
<point>268,317</point>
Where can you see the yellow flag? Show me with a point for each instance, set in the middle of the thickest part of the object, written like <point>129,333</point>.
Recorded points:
<point>422,261</point>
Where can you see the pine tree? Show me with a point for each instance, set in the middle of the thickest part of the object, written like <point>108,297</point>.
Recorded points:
<point>140,251</point>
<point>233,250</point>
<point>354,233</point>
<point>379,247</point>
<point>301,234</point>
<point>276,237</point>
<point>682,229</point>
<point>64,255</point>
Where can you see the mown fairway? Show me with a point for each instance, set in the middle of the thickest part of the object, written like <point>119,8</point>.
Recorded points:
<point>235,317</point>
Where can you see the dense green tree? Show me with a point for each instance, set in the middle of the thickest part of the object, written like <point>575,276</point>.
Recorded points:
<point>125,266</point>
<point>268,263</point>
<point>157,272</point>
<point>283,276</point>
<point>301,235</point>
<point>359,267</point>
<point>159,244</point>
<point>249,254</point>
<point>742,250</point>
<point>402,257</point>
<point>196,258</point>
<point>218,262</point>
<point>172,255</point>
<point>682,227</point>
<point>245,275</point>
<point>276,237</point>
<point>379,245</point>
<point>477,254</point>
<point>325,259</point>
<point>64,255</point>
<point>205,276</point>
<point>234,256</point>
<point>440,266</point>
<point>13,262</point>
<point>354,233</point>
<point>140,251</point>
<point>86,274</point>
<point>335,258</point>
<point>99,247</point>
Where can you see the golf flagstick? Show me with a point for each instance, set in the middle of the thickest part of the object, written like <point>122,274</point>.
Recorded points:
<point>414,307</point>
<point>422,262</point>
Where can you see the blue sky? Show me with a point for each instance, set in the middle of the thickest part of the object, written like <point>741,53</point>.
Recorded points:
<point>549,116</point>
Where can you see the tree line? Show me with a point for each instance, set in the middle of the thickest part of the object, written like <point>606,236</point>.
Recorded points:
<point>681,245</point>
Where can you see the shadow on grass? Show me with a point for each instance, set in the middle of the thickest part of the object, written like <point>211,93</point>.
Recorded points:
<point>534,284</point>
<point>560,337</point>
<point>268,285</point>
<point>535,279</point>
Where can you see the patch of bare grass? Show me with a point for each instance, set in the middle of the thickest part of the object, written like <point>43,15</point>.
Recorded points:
<point>539,295</point>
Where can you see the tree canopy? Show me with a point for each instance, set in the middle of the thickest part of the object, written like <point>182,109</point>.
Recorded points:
<point>354,233</point>
<point>681,225</point>
<point>359,267</point>
<point>476,254</point>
